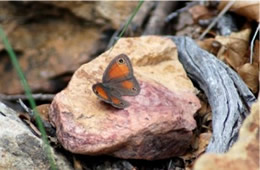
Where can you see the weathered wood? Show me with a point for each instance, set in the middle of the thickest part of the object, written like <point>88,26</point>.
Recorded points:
<point>228,96</point>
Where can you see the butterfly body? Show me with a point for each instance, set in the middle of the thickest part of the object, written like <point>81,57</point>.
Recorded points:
<point>118,80</point>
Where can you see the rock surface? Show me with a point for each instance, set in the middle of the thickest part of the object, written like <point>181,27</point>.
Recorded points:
<point>100,12</point>
<point>157,125</point>
<point>19,148</point>
<point>245,152</point>
<point>49,54</point>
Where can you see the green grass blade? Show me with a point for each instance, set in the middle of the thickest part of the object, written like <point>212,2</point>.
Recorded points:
<point>29,96</point>
<point>131,18</point>
<point>128,22</point>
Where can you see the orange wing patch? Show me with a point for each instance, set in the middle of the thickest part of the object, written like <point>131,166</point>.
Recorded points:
<point>127,84</point>
<point>101,92</point>
<point>118,71</point>
<point>115,100</point>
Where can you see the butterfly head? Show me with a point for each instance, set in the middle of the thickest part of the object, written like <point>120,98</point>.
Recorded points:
<point>121,60</point>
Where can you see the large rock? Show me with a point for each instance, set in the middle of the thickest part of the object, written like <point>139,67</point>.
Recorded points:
<point>99,12</point>
<point>245,152</point>
<point>157,125</point>
<point>20,148</point>
<point>48,54</point>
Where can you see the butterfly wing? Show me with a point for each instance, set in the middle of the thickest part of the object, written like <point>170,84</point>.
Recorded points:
<point>128,87</point>
<point>100,90</point>
<point>120,68</point>
<point>119,76</point>
<point>118,102</point>
<point>104,93</point>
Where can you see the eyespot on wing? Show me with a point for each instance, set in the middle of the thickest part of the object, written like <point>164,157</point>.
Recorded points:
<point>119,68</point>
<point>119,103</point>
<point>100,91</point>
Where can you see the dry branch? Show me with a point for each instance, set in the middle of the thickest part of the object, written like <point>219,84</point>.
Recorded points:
<point>24,97</point>
<point>228,96</point>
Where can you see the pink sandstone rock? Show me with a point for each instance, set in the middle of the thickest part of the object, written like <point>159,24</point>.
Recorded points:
<point>159,122</point>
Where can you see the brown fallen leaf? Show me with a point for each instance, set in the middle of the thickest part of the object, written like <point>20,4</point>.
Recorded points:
<point>256,56</point>
<point>77,164</point>
<point>199,146</point>
<point>203,143</point>
<point>249,9</point>
<point>210,45</point>
<point>43,111</point>
<point>200,12</point>
<point>250,72</point>
<point>231,49</point>
<point>234,51</point>
<point>235,48</point>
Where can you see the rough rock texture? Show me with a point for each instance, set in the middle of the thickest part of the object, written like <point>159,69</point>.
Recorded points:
<point>245,152</point>
<point>100,12</point>
<point>19,148</point>
<point>157,125</point>
<point>53,39</point>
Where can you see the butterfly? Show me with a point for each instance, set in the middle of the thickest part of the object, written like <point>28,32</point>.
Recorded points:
<point>118,80</point>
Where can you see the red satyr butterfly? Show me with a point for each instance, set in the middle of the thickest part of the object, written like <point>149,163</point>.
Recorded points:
<point>118,80</point>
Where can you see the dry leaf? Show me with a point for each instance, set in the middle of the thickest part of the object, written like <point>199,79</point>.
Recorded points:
<point>77,164</point>
<point>249,73</point>
<point>43,111</point>
<point>249,9</point>
<point>203,142</point>
<point>231,49</point>
<point>234,48</point>
<point>256,56</point>
<point>199,145</point>
<point>210,45</point>
<point>200,12</point>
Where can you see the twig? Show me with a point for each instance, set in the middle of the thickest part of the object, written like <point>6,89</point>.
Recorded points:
<point>24,97</point>
<point>169,165</point>
<point>29,111</point>
<point>177,12</point>
<point>48,127</point>
<point>222,12</point>
<point>252,44</point>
